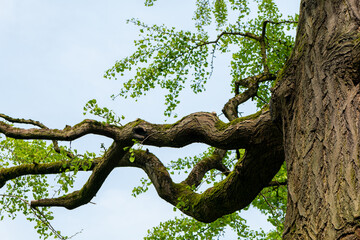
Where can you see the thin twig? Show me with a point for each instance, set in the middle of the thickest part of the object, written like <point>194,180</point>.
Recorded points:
<point>38,124</point>
<point>272,209</point>
<point>37,214</point>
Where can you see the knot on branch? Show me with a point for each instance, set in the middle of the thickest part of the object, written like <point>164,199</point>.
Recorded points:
<point>139,133</point>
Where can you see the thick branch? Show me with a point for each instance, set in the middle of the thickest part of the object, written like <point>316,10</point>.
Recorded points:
<point>251,174</point>
<point>207,128</point>
<point>230,109</point>
<point>198,127</point>
<point>249,81</point>
<point>242,185</point>
<point>7,174</point>
<point>88,191</point>
<point>201,168</point>
<point>38,124</point>
<point>67,134</point>
<point>22,120</point>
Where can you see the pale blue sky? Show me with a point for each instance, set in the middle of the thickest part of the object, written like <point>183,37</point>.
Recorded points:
<point>53,55</point>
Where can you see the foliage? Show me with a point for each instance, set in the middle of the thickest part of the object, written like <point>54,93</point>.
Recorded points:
<point>173,54</point>
<point>173,60</point>
<point>272,202</point>
<point>15,195</point>
<point>110,116</point>
<point>174,57</point>
<point>185,228</point>
<point>246,61</point>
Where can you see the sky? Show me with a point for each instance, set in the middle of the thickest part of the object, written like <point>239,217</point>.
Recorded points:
<point>53,55</point>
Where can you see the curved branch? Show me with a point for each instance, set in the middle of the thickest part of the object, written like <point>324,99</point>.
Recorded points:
<point>22,120</point>
<point>207,128</point>
<point>38,124</point>
<point>241,186</point>
<point>230,109</point>
<point>205,165</point>
<point>197,127</point>
<point>246,34</point>
<point>67,134</point>
<point>249,81</point>
<point>91,187</point>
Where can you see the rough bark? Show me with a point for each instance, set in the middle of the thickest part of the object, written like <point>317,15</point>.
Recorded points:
<point>317,103</point>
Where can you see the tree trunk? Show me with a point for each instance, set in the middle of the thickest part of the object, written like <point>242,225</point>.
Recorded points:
<point>317,103</point>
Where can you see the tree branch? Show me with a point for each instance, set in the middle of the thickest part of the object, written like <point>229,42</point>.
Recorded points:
<point>247,35</point>
<point>38,124</point>
<point>7,174</point>
<point>67,134</point>
<point>205,165</point>
<point>91,187</point>
<point>240,187</point>
<point>197,127</point>
<point>230,109</point>
<point>277,184</point>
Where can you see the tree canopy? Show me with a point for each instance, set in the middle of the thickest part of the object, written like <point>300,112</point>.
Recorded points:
<point>259,40</point>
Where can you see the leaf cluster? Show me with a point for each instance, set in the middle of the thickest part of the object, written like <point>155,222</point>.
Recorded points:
<point>185,228</point>
<point>16,194</point>
<point>108,115</point>
<point>173,59</point>
<point>166,58</point>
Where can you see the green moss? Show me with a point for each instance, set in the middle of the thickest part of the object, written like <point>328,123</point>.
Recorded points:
<point>137,122</point>
<point>280,74</point>
<point>186,196</point>
<point>213,192</point>
<point>220,125</point>
<point>162,127</point>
